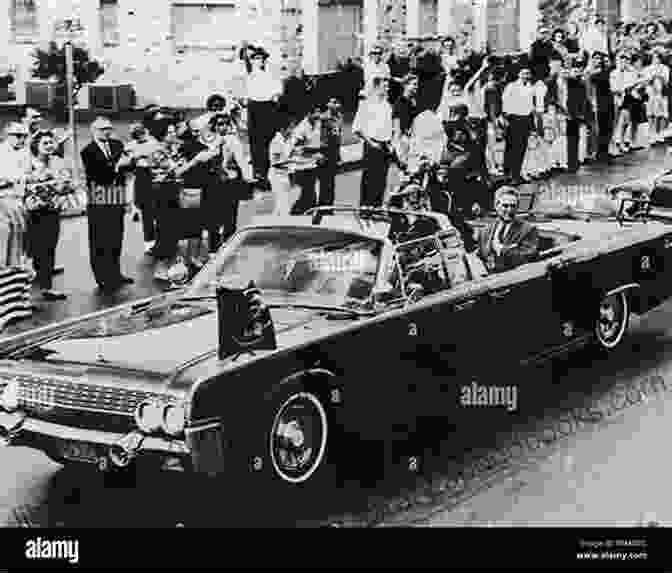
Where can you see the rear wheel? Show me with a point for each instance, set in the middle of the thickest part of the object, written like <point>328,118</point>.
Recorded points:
<point>612,320</point>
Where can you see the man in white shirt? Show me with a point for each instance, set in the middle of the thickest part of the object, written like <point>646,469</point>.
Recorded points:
<point>622,82</point>
<point>263,92</point>
<point>374,67</point>
<point>14,154</point>
<point>595,37</point>
<point>518,104</point>
<point>373,124</point>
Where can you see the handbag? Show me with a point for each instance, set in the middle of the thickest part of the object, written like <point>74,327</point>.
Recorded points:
<point>190,198</point>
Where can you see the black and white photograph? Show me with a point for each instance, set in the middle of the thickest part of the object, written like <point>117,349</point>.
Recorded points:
<point>336,263</point>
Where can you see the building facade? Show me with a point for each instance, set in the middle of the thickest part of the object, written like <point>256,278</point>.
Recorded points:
<point>175,51</point>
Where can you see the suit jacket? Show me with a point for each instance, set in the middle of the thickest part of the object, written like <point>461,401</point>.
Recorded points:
<point>99,169</point>
<point>552,91</point>
<point>106,185</point>
<point>521,234</point>
<point>578,104</point>
<point>539,58</point>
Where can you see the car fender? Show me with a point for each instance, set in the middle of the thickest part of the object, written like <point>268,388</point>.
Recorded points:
<point>627,287</point>
<point>320,380</point>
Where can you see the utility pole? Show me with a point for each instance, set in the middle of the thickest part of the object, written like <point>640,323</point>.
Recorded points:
<point>71,26</point>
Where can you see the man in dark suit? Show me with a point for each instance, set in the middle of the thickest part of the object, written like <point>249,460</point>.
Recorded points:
<point>508,242</point>
<point>540,54</point>
<point>104,163</point>
<point>578,111</point>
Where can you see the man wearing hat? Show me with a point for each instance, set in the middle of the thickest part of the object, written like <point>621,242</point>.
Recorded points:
<point>105,164</point>
<point>263,92</point>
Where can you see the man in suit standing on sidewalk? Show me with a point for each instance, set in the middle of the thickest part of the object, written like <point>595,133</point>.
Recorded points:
<point>105,163</point>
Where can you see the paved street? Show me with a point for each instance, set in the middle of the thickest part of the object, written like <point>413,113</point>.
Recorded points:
<point>32,491</point>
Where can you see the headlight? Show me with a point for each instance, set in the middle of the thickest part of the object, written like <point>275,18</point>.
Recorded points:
<point>9,400</point>
<point>149,416</point>
<point>174,418</point>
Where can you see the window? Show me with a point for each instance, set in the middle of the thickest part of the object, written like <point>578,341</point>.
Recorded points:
<point>205,26</point>
<point>109,22</point>
<point>23,21</point>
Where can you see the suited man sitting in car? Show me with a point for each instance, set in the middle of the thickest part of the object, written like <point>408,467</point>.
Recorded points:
<point>507,242</point>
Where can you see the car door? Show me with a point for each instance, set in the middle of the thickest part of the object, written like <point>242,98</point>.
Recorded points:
<point>523,320</point>
<point>423,281</point>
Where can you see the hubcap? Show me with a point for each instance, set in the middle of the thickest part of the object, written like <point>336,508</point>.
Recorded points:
<point>298,437</point>
<point>611,320</point>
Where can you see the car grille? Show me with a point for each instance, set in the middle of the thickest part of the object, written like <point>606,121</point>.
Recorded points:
<point>47,393</point>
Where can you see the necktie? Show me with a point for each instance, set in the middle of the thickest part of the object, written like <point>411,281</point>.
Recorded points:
<point>502,231</point>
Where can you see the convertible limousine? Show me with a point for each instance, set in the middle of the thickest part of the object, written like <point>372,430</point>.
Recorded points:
<point>302,328</point>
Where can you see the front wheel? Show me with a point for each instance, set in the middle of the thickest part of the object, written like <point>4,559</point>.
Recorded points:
<point>298,437</point>
<point>612,320</point>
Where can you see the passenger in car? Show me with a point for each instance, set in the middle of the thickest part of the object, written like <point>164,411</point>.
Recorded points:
<point>408,227</point>
<point>508,242</point>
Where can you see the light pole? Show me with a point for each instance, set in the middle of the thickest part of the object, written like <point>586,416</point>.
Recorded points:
<point>72,27</point>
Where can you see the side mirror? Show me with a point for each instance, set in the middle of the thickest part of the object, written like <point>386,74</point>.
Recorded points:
<point>415,293</point>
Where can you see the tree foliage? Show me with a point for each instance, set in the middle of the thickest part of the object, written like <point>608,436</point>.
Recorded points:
<point>556,13</point>
<point>50,63</point>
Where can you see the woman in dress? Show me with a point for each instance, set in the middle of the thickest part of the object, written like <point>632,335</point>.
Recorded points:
<point>49,191</point>
<point>657,76</point>
<point>165,191</point>
<point>140,148</point>
<point>639,137</point>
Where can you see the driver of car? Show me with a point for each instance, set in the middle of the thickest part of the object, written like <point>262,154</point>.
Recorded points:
<point>507,242</point>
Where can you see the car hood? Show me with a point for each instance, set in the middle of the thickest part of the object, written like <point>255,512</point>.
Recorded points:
<point>161,340</point>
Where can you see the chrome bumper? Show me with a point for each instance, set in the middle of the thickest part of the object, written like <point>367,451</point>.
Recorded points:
<point>116,449</point>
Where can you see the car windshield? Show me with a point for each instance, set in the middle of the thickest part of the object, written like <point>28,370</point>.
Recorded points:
<point>296,265</point>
